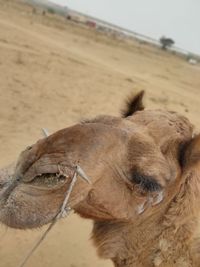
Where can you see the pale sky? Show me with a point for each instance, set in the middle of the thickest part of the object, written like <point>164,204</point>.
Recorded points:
<point>177,19</point>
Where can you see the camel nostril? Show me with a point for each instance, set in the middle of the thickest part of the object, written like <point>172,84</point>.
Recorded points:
<point>18,178</point>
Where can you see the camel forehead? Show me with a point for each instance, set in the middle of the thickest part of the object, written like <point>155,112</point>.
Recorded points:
<point>162,117</point>
<point>156,122</point>
<point>163,123</point>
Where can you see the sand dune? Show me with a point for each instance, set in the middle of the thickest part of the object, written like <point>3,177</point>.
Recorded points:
<point>54,73</point>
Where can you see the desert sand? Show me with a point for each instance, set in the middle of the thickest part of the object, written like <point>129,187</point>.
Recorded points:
<point>54,73</point>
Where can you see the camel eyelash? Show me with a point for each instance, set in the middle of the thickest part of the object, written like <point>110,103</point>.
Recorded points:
<point>147,183</point>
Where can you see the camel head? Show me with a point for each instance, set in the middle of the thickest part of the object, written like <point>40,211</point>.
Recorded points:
<point>135,163</point>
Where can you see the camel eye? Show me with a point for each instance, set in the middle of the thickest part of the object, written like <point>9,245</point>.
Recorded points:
<point>147,183</point>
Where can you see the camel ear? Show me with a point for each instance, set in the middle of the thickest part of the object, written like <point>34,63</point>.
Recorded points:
<point>133,104</point>
<point>189,196</point>
<point>190,154</point>
<point>191,172</point>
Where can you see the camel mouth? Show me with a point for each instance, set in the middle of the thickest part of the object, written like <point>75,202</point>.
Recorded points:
<point>36,186</point>
<point>59,177</point>
<point>15,194</point>
<point>49,181</point>
<point>48,177</point>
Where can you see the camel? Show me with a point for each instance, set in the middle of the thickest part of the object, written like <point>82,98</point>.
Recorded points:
<point>144,195</point>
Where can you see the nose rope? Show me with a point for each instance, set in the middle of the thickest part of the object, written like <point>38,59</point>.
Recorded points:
<point>65,210</point>
<point>45,132</point>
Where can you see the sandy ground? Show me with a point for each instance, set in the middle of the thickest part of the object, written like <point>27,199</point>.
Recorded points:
<point>52,74</point>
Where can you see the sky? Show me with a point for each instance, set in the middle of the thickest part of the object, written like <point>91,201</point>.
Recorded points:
<point>177,19</point>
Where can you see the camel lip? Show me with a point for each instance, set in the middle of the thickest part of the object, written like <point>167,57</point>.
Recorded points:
<point>36,191</point>
<point>57,178</point>
<point>49,181</point>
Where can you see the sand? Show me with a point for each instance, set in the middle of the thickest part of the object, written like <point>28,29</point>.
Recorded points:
<point>53,74</point>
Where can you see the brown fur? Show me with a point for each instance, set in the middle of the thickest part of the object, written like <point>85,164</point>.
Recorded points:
<point>131,161</point>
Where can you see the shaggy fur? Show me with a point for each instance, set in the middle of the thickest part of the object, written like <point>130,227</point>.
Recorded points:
<point>144,196</point>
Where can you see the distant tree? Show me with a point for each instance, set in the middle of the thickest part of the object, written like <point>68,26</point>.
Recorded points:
<point>68,17</point>
<point>166,42</point>
<point>51,10</point>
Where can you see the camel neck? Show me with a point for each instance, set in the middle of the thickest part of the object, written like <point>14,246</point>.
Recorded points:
<point>125,246</point>
<point>162,247</point>
<point>151,243</point>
